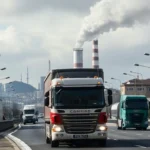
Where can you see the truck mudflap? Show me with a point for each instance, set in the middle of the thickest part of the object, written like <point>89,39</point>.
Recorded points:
<point>63,136</point>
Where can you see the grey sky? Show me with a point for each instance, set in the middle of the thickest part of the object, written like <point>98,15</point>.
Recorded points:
<point>31,34</point>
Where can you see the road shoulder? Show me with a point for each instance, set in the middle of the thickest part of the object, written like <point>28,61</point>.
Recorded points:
<point>7,144</point>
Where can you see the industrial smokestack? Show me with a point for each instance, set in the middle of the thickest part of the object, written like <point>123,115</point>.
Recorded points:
<point>78,58</point>
<point>109,15</point>
<point>95,56</point>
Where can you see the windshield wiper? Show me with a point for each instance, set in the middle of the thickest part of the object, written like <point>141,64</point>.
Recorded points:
<point>59,91</point>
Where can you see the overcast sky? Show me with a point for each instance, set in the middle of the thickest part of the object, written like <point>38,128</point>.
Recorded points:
<point>33,32</point>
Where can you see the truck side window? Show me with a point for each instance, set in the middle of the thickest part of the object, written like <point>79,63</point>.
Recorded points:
<point>51,96</point>
<point>124,105</point>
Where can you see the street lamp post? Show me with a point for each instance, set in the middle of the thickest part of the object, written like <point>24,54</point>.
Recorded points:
<point>137,74</point>
<point>147,54</point>
<point>141,65</point>
<point>117,80</point>
<point>132,76</point>
<point>109,83</point>
<point>4,78</point>
<point>3,68</point>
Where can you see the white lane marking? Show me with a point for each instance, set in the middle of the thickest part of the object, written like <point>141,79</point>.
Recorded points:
<point>138,134</point>
<point>140,146</point>
<point>124,132</point>
<point>108,138</point>
<point>111,124</point>
<point>115,140</point>
<point>17,141</point>
<point>112,130</point>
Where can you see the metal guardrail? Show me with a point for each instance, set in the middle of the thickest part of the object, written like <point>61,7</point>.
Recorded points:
<point>8,124</point>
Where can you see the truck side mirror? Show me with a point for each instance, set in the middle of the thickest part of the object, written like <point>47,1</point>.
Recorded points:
<point>110,99</point>
<point>37,112</point>
<point>46,101</point>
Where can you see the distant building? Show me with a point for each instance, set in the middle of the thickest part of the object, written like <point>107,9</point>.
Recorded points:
<point>1,89</point>
<point>42,87</point>
<point>136,87</point>
<point>42,83</point>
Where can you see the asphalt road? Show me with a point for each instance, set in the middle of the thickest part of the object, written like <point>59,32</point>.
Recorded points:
<point>34,136</point>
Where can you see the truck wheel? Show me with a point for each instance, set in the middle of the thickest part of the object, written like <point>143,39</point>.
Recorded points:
<point>123,128</point>
<point>24,123</point>
<point>48,140</point>
<point>33,122</point>
<point>54,143</point>
<point>144,128</point>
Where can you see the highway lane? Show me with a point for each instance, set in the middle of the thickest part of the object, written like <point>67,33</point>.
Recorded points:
<point>34,136</point>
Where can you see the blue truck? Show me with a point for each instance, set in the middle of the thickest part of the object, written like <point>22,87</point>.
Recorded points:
<point>131,112</point>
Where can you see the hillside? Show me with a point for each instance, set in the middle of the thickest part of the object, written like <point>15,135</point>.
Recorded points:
<point>20,87</point>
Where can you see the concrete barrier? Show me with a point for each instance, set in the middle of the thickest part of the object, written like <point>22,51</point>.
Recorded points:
<point>5,125</point>
<point>8,124</point>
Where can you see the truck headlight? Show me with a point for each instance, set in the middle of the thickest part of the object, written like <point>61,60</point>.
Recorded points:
<point>127,122</point>
<point>101,128</point>
<point>146,122</point>
<point>57,128</point>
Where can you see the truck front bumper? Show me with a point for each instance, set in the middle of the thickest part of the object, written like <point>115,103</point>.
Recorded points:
<point>128,124</point>
<point>63,136</point>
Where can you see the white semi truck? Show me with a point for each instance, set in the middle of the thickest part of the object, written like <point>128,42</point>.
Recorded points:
<point>75,110</point>
<point>30,114</point>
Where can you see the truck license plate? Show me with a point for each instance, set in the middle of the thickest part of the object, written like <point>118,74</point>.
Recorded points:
<point>83,136</point>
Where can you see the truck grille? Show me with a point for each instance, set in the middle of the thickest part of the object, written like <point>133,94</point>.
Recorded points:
<point>136,118</point>
<point>80,123</point>
<point>29,117</point>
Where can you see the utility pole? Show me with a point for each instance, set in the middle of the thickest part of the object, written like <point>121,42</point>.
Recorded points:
<point>49,66</point>
<point>21,77</point>
<point>27,76</point>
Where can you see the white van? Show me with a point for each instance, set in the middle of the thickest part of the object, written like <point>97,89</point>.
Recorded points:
<point>30,114</point>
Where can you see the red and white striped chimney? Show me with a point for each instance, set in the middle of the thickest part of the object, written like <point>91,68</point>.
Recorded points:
<point>78,58</point>
<point>95,56</point>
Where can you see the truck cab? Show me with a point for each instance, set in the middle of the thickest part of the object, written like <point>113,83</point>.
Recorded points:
<point>132,112</point>
<point>30,114</point>
<point>75,110</point>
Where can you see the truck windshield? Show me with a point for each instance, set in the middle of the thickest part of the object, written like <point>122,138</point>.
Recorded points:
<point>31,111</point>
<point>137,104</point>
<point>79,98</point>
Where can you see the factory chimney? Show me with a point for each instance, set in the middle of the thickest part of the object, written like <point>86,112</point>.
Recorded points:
<point>78,58</point>
<point>95,56</point>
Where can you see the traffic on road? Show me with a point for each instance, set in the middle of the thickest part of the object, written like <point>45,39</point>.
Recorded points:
<point>34,136</point>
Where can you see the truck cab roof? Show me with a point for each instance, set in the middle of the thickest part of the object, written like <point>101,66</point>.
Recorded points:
<point>124,97</point>
<point>77,82</point>
<point>29,107</point>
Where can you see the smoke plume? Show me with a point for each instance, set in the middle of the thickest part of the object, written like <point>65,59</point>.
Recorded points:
<point>108,15</point>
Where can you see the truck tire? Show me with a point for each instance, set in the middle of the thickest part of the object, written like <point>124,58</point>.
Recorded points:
<point>54,143</point>
<point>123,128</point>
<point>34,122</point>
<point>145,129</point>
<point>24,123</point>
<point>48,141</point>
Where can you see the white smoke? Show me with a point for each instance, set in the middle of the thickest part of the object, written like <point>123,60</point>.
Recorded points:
<point>109,15</point>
